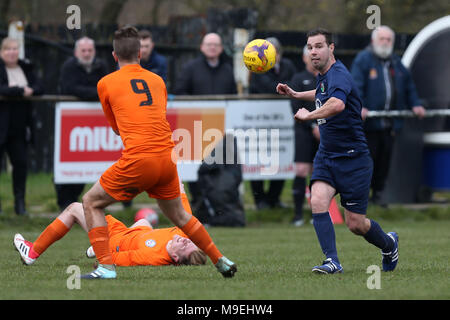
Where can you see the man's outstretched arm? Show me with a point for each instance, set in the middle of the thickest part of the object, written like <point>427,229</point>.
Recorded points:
<point>285,90</point>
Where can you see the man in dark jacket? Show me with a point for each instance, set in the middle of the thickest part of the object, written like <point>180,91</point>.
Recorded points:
<point>17,79</point>
<point>150,59</point>
<point>383,84</point>
<point>282,72</point>
<point>80,73</point>
<point>208,74</point>
<point>79,77</point>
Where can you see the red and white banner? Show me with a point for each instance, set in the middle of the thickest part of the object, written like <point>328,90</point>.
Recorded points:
<point>85,145</point>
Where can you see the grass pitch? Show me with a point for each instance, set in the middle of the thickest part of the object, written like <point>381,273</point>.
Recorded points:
<point>274,261</point>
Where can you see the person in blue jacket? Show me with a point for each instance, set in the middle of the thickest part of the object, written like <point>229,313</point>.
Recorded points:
<point>150,59</point>
<point>383,83</point>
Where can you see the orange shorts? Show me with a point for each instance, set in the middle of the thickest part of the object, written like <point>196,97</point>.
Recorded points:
<point>157,175</point>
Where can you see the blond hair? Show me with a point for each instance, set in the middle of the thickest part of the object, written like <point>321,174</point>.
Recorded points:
<point>7,41</point>
<point>196,258</point>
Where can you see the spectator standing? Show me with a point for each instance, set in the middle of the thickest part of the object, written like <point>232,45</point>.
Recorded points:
<point>150,59</point>
<point>17,79</point>
<point>79,76</point>
<point>307,136</point>
<point>383,83</point>
<point>207,74</point>
<point>283,71</point>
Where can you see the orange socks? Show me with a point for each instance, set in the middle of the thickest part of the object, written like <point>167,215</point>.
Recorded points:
<point>198,234</point>
<point>54,231</point>
<point>185,202</point>
<point>99,239</point>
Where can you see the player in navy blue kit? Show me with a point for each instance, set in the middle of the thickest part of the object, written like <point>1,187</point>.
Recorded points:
<point>342,163</point>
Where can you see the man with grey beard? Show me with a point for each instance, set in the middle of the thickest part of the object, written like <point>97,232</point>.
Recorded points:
<point>80,73</point>
<point>78,77</point>
<point>383,84</point>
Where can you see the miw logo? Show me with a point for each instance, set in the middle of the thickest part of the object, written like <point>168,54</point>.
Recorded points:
<point>94,139</point>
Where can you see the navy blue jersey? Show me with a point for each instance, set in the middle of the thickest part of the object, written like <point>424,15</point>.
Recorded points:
<point>341,134</point>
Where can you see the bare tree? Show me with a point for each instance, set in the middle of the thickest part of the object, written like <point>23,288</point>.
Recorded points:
<point>4,9</point>
<point>156,11</point>
<point>111,11</point>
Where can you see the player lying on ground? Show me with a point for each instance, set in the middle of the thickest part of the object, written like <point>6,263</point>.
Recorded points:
<point>134,101</point>
<point>139,244</point>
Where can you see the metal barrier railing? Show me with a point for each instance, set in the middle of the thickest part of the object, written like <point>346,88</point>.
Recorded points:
<point>46,103</point>
<point>171,97</point>
<point>408,114</point>
<point>61,98</point>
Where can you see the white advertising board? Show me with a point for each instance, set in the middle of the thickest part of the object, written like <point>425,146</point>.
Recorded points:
<point>85,145</point>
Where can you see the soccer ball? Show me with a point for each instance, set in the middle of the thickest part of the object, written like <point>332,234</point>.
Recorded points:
<point>148,214</point>
<point>259,56</point>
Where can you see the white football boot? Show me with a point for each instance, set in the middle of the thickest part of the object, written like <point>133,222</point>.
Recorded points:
<point>24,247</point>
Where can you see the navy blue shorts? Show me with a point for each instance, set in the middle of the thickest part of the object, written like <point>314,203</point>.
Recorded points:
<point>349,175</point>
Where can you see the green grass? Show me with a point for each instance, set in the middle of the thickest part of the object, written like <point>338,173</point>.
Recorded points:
<point>274,259</point>
<point>274,263</point>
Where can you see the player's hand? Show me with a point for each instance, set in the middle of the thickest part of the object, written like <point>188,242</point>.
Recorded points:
<point>302,115</point>
<point>285,90</point>
<point>364,112</point>
<point>419,111</point>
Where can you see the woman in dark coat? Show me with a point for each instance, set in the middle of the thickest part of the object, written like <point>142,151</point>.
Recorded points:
<point>16,80</point>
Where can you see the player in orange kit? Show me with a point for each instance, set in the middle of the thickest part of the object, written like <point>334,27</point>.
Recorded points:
<point>138,245</point>
<point>134,102</point>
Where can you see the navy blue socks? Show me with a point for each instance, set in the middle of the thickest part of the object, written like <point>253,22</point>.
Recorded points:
<point>378,237</point>
<point>325,233</point>
<point>327,238</point>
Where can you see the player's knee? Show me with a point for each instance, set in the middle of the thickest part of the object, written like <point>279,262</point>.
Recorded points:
<point>74,207</point>
<point>87,202</point>
<point>355,229</point>
<point>319,204</point>
<point>74,211</point>
<point>84,199</point>
<point>355,225</point>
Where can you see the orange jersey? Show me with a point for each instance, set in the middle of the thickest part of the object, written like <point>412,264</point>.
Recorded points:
<point>140,246</point>
<point>134,101</point>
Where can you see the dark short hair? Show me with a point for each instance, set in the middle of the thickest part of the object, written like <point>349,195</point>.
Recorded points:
<point>145,34</point>
<point>327,34</point>
<point>126,43</point>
